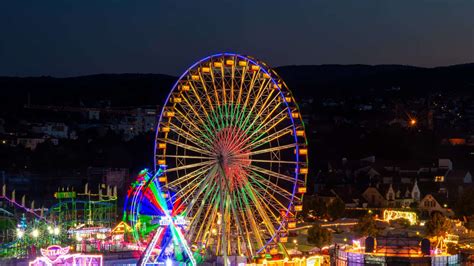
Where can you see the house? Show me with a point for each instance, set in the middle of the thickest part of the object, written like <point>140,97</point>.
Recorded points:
<point>349,196</point>
<point>52,129</point>
<point>435,202</point>
<point>30,142</point>
<point>460,176</point>
<point>375,197</point>
<point>398,196</point>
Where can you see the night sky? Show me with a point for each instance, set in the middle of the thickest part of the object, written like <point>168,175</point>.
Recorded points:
<point>70,38</point>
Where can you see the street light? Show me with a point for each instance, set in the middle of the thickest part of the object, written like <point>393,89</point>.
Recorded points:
<point>20,233</point>
<point>35,233</point>
<point>295,241</point>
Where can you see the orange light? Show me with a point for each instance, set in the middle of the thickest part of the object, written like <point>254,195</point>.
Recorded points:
<point>217,64</point>
<point>161,162</point>
<point>184,88</point>
<point>300,133</point>
<point>163,179</point>
<point>303,151</point>
<point>169,114</point>
<point>298,208</point>
<point>242,63</point>
<point>255,67</point>
<point>303,171</point>
<point>292,225</point>
<point>206,69</point>
<point>194,77</point>
<point>165,129</point>
<point>162,146</point>
<point>412,122</point>
<point>229,62</point>
<point>302,190</point>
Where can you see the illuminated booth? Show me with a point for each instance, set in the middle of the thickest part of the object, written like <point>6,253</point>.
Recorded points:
<point>57,255</point>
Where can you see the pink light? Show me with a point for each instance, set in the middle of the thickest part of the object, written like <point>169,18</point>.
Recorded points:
<point>70,260</point>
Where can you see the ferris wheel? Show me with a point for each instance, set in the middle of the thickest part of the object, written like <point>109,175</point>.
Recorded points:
<point>233,142</point>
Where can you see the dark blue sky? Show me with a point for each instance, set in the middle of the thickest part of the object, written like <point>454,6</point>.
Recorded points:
<point>69,37</point>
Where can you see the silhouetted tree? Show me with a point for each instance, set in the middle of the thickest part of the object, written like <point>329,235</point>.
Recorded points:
<point>366,226</point>
<point>319,236</point>
<point>336,209</point>
<point>438,225</point>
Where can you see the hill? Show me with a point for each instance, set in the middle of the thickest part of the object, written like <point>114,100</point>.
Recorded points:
<point>308,80</point>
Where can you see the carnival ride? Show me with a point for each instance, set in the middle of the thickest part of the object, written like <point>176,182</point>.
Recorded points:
<point>74,208</point>
<point>24,228</point>
<point>231,151</point>
<point>156,221</point>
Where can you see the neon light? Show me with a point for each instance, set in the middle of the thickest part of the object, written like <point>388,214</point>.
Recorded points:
<point>389,215</point>
<point>54,252</point>
<point>57,255</point>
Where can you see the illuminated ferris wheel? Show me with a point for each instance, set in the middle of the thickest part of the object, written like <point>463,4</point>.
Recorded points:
<point>234,146</point>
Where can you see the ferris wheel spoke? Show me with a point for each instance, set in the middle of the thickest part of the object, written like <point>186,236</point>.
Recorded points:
<point>246,225</point>
<point>238,222</point>
<point>213,81</point>
<point>185,146</point>
<point>201,104</point>
<point>256,100</point>
<point>269,119</point>
<point>269,123</point>
<point>195,128</point>
<point>263,188</point>
<point>249,215</point>
<point>211,116</point>
<point>215,119</point>
<point>201,187</point>
<point>260,140</point>
<point>189,176</point>
<point>239,103</point>
<point>270,99</point>
<point>189,197</point>
<point>206,91</point>
<point>268,150</point>
<point>197,215</point>
<point>216,94</point>
<point>272,174</point>
<point>258,204</point>
<point>268,185</point>
<point>222,83</point>
<point>273,205</point>
<point>204,124</point>
<point>273,161</point>
<point>189,157</point>
<point>189,166</point>
<point>191,138</point>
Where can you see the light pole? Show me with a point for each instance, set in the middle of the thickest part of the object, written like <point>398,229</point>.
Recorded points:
<point>295,241</point>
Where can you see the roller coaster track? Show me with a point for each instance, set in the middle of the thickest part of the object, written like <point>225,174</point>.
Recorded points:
<point>24,208</point>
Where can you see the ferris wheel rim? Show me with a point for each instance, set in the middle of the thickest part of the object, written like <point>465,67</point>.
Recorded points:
<point>275,79</point>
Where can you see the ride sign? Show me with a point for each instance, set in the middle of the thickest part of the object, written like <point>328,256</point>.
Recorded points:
<point>54,252</point>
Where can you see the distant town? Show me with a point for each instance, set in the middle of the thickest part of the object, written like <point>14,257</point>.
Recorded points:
<point>387,161</point>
